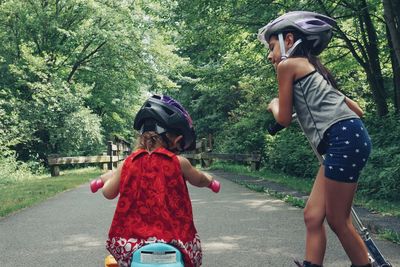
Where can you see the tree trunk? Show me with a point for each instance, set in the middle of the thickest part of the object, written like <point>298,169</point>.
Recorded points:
<point>396,75</point>
<point>396,84</point>
<point>392,17</point>
<point>365,50</point>
<point>374,71</point>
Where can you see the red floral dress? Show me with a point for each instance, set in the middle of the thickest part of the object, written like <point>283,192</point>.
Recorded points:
<point>153,206</point>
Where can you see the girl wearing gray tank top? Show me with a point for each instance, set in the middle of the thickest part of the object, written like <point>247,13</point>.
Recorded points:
<point>330,120</point>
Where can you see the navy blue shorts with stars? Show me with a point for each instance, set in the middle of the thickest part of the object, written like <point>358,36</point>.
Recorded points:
<point>346,146</point>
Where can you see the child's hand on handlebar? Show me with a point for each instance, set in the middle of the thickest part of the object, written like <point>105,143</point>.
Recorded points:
<point>96,184</point>
<point>215,186</point>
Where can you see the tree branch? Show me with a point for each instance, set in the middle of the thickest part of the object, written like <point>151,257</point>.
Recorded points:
<point>78,63</point>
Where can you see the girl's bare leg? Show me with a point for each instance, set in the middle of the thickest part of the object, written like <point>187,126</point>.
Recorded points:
<point>339,198</point>
<point>314,216</point>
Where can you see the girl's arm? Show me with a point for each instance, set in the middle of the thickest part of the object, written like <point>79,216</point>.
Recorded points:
<point>354,107</point>
<point>282,107</point>
<point>111,182</point>
<point>193,175</point>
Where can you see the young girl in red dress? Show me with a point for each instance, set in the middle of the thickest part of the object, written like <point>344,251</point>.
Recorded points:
<point>154,203</point>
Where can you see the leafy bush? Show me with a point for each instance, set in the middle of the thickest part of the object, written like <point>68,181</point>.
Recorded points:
<point>291,153</point>
<point>80,135</point>
<point>381,177</point>
<point>242,136</point>
<point>12,170</point>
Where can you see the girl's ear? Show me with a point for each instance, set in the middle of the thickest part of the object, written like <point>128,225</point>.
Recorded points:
<point>289,40</point>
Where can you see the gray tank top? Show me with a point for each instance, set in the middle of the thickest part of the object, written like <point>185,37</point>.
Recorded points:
<point>318,106</point>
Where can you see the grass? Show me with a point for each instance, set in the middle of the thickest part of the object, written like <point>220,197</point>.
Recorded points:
<point>390,235</point>
<point>304,185</point>
<point>301,185</point>
<point>25,193</point>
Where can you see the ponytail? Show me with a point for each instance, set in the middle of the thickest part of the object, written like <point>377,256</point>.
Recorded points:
<point>150,140</point>
<point>314,60</point>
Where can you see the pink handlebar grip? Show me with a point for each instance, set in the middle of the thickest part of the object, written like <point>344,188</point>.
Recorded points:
<point>96,185</point>
<point>215,186</point>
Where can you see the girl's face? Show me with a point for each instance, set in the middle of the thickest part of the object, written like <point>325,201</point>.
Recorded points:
<point>274,55</point>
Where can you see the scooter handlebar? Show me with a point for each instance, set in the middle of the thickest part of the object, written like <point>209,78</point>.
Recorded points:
<point>273,129</point>
<point>215,186</point>
<point>95,185</point>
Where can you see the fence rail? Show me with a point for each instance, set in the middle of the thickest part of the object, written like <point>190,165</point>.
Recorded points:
<point>205,156</point>
<point>116,152</point>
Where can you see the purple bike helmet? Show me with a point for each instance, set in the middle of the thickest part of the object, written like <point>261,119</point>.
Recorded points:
<point>316,29</point>
<point>161,113</point>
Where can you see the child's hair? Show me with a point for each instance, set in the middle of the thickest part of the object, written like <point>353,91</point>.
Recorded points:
<point>151,140</point>
<point>304,50</point>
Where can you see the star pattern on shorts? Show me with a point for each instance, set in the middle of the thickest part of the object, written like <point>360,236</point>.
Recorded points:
<point>355,146</point>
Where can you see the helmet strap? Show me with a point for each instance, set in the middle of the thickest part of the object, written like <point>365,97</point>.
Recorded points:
<point>282,46</point>
<point>285,55</point>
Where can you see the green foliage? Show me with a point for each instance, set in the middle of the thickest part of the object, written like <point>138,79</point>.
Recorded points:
<point>25,192</point>
<point>74,71</point>
<point>80,134</point>
<point>290,152</point>
<point>12,171</point>
<point>73,74</point>
<point>381,177</point>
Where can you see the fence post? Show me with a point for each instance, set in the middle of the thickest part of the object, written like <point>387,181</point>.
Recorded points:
<point>104,165</point>
<point>55,170</point>
<point>255,161</point>
<point>110,153</point>
<point>117,153</point>
<point>203,150</point>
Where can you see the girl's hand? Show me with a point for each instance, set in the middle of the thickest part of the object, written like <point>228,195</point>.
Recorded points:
<point>215,186</point>
<point>273,105</point>
<point>95,185</point>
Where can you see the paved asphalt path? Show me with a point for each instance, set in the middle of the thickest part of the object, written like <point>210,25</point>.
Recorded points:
<point>238,227</point>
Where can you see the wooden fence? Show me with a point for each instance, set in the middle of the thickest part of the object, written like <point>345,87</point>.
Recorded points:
<point>116,152</point>
<point>204,155</point>
<point>119,150</point>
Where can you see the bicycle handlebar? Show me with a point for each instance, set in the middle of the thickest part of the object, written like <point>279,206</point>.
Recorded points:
<point>215,186</point>
<point>96,184</point>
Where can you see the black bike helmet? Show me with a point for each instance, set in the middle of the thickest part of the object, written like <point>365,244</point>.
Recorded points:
<point>316,28</point>
<point>161,113</point>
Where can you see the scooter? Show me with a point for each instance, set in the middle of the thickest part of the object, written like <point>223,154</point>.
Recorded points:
<point>153,254</point>
<point>376,257</point>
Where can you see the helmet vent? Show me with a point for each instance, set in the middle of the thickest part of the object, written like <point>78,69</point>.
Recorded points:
<point>316,22</point>
<point>168,111</point>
